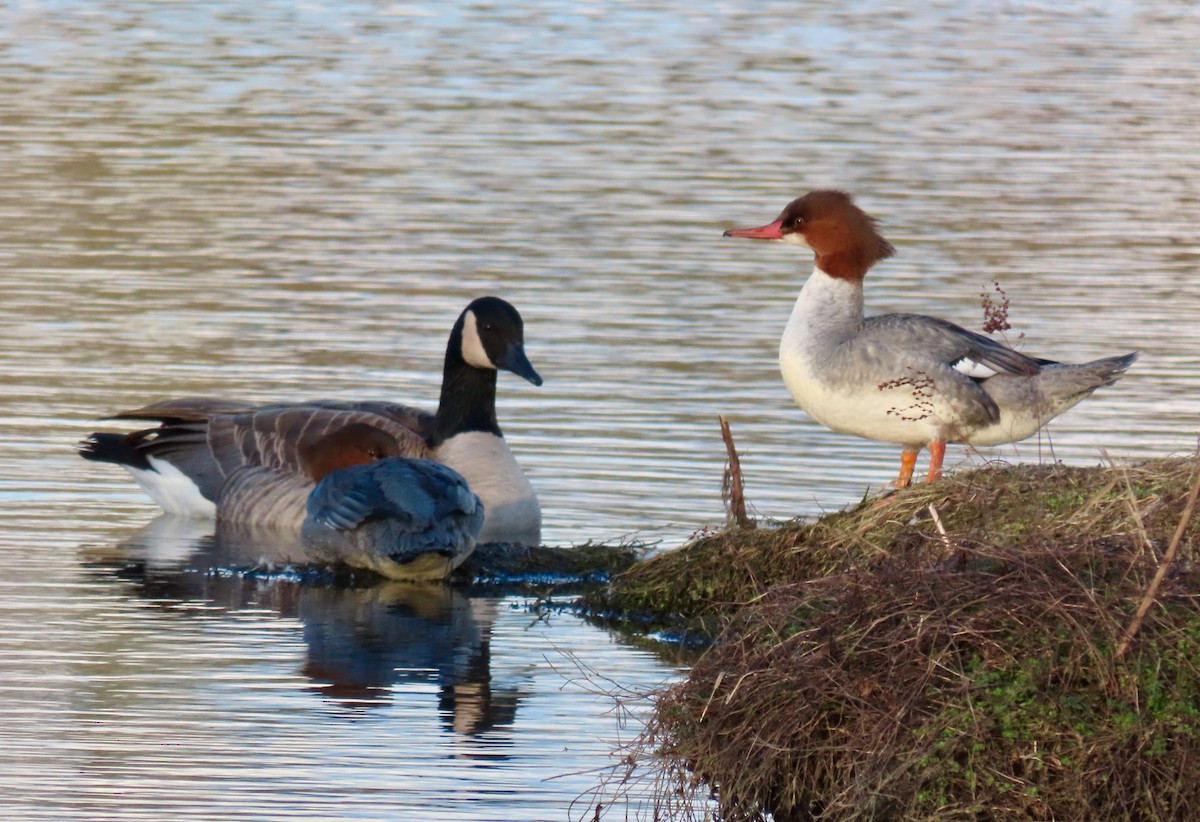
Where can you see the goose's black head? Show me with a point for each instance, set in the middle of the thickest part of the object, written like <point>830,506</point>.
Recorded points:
<point>490,335</point>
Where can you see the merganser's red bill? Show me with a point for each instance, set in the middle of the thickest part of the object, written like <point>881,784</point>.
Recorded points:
<point>771,231</point>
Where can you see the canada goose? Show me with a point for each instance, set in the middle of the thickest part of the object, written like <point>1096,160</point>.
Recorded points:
<point>201,444</point>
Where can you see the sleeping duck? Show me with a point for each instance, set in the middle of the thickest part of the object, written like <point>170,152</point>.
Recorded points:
<point>372,508</point>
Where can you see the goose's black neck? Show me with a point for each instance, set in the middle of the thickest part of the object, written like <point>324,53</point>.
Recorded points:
<point>468,401</point>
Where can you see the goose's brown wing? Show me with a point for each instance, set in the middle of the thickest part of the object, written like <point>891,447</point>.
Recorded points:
<point>273,436</point>
<point>208,439</point>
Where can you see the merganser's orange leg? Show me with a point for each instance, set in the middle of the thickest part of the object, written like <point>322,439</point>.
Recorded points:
<point>937,453</point>
<point>908,461</point>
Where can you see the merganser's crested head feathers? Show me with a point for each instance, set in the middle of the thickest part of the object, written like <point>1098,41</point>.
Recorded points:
<point>354,444</point>
<point>842,235</point>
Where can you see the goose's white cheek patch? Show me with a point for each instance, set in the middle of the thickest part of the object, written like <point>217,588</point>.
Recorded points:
<point>472,346</point>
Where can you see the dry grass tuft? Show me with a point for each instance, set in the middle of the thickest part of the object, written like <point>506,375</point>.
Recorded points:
<point>886,663</point>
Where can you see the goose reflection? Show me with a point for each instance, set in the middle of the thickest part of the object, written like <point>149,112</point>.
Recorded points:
<point>364,642</point>
<point>361,647</point>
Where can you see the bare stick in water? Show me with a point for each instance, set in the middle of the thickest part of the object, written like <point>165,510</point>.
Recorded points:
<point>732,488</point>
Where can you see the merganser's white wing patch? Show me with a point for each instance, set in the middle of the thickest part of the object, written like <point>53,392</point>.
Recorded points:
<point>973,368</point>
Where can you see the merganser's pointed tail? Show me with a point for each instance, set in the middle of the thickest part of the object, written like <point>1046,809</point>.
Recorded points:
<point>1066,379</point>
<point>1028,403</point>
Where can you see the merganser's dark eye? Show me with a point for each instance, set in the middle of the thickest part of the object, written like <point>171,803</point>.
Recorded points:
<point>791,219</point>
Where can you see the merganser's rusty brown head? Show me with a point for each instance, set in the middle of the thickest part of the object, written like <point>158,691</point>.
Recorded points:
<point>841,234</point>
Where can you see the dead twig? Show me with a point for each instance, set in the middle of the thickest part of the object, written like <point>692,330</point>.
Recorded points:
<point>937,520</point>
<point>1169,557</point>
<point>732,488</point>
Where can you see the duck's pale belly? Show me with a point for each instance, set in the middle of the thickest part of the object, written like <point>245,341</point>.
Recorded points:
<point>510,505</point>
<point>910,413</point>
<point>905,414</point>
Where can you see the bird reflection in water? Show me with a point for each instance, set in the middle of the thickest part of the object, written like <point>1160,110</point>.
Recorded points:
<point>362,646</point>
<point>363,642</point>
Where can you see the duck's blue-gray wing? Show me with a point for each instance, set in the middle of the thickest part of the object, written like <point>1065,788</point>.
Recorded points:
<point>416,496</point>
<point>972,354</point>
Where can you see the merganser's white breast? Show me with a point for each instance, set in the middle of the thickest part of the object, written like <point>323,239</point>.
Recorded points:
<point>827,313</point>
<point>851,384</point>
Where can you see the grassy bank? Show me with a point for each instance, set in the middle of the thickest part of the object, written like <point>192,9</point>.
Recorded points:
<point>546,565</point>
<point>1003,644</point>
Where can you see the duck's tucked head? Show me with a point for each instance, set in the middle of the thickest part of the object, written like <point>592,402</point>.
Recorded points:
<point>842,235</point>
<point>490,335</point>
<point>354,444</point>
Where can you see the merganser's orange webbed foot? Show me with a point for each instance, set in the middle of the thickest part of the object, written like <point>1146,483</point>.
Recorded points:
<point>908,462</point>
<point>937,454</point>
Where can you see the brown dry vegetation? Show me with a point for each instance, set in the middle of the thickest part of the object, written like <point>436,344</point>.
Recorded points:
<point>951,654</point>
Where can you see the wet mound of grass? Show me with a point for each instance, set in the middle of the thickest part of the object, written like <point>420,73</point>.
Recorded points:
<point>719,573</point>
<point>508,564</point>
<point>1000,645</point>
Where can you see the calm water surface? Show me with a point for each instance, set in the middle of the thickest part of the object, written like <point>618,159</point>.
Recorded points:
<point>290,199</point>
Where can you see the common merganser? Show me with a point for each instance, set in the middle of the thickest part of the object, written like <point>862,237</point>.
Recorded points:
<point>906,379</point>
<point>200,443</point>
<point>372,508</point>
